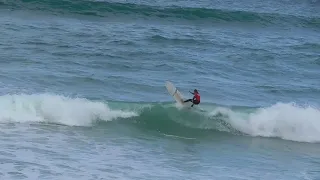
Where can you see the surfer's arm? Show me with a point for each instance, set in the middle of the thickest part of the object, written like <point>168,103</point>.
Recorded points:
<point>191,92</point>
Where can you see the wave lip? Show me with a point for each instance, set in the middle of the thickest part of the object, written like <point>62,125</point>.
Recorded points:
<point>56,109</point>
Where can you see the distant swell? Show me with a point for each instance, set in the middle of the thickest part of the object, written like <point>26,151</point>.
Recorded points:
<point>126,10</point>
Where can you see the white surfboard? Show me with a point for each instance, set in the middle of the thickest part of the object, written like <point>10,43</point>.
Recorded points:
<point>173,91</point>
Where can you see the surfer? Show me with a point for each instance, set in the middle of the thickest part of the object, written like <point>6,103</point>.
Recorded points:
<point>195,99</point>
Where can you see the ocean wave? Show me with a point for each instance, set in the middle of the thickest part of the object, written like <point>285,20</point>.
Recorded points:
<point>283,120</point>
<point>127,10</point>
<point>287,121</point>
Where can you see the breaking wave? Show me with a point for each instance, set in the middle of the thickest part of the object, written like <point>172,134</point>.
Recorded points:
<point>283,120</point>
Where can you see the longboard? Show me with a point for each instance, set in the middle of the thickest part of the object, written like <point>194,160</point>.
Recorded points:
<point>174,92</point>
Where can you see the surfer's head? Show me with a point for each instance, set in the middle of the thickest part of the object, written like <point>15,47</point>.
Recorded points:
<point>195,90</point>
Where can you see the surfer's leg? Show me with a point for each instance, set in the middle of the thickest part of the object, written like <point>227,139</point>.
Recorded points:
<point>195,103</point>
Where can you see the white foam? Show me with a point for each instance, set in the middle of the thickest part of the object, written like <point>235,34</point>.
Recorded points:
<point>286,121</point>
<point>56,109</point>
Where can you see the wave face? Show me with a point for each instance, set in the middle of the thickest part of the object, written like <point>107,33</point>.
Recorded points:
<point>285,121</point>
<point>176,13</point>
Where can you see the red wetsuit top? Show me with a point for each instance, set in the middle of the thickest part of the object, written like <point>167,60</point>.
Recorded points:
<point>196,97</point>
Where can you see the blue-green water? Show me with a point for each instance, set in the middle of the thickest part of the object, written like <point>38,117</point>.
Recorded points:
<point>82,92</point>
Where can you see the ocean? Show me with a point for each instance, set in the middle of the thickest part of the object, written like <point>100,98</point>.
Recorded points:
<point>83,96</point>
